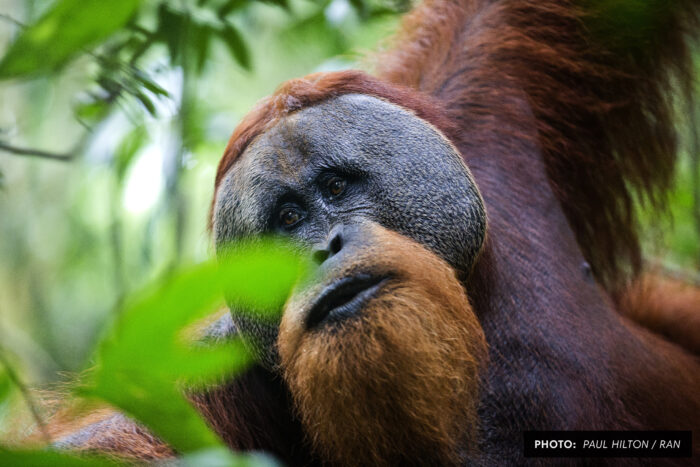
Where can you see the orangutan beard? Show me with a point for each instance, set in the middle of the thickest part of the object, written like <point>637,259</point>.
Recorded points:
<point>398,383</point>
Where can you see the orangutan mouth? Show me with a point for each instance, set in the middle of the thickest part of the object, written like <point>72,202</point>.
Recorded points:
<point>343,299</point>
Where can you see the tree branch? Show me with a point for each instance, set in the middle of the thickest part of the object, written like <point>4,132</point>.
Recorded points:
<point>31,152</point>
<point>10,19</point>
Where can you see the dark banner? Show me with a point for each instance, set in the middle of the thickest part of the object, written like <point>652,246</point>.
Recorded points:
<point>608,443</point>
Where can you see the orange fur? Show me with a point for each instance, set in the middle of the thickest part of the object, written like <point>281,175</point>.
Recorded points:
<point>398,383</point>
<point>666,306</point>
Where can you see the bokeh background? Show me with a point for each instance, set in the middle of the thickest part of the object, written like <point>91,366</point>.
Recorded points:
<point>107,160</point>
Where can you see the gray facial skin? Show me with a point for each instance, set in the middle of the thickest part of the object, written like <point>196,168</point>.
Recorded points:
<point>397,171</point>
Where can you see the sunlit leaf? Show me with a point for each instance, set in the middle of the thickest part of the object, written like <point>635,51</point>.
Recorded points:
<point>91,111</point>
<point>127,149</point>
<point>259,275</point>
<point>8,374</point>
<point>5,385</point>
<point>193,124</point>
<point>65,29</point>
<point>236,45</point>
<point>145,359</point>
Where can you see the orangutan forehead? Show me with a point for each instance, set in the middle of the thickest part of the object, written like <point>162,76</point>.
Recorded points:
<point>352,127</point>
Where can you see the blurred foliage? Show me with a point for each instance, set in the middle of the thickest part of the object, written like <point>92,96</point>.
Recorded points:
<point>113,118</point>
<point>144,361</point>
<point>673,241</point>
<point>146,357</point>
<point>114,115</point>
<point>65,29</point>
<point>133,202</point>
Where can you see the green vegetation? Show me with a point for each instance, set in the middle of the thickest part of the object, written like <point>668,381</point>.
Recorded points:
<point>147,357</point>
<point>113,117</point>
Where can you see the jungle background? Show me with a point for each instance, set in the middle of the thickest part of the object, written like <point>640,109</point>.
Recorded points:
<point>113,116</point>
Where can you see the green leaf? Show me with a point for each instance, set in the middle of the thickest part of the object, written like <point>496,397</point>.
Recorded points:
<point>281,3</point>
<point>200,38</point>
<point>145,359</point>
<point>171,27</point>
<point>231,6</point>
<point>363,10</point>
<point>67,28</point>
<point>192,118</point>
<point>236,45</point>
<point>5,385</point>
<point>127,149</point>
<point>151,85</point>
<point>146,102</point>
<point>315,29</point>
<point>91,111</point>
<point>52,459</point>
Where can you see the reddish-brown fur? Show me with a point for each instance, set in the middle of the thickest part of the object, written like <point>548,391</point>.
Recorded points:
<point>562,130</point>
<point>564,122</point>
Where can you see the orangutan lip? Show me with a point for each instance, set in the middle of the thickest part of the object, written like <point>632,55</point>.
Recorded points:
<point>343,298</point>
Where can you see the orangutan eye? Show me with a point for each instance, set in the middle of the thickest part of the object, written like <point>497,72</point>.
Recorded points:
<point>336,186</point>
<point>289,217</point>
